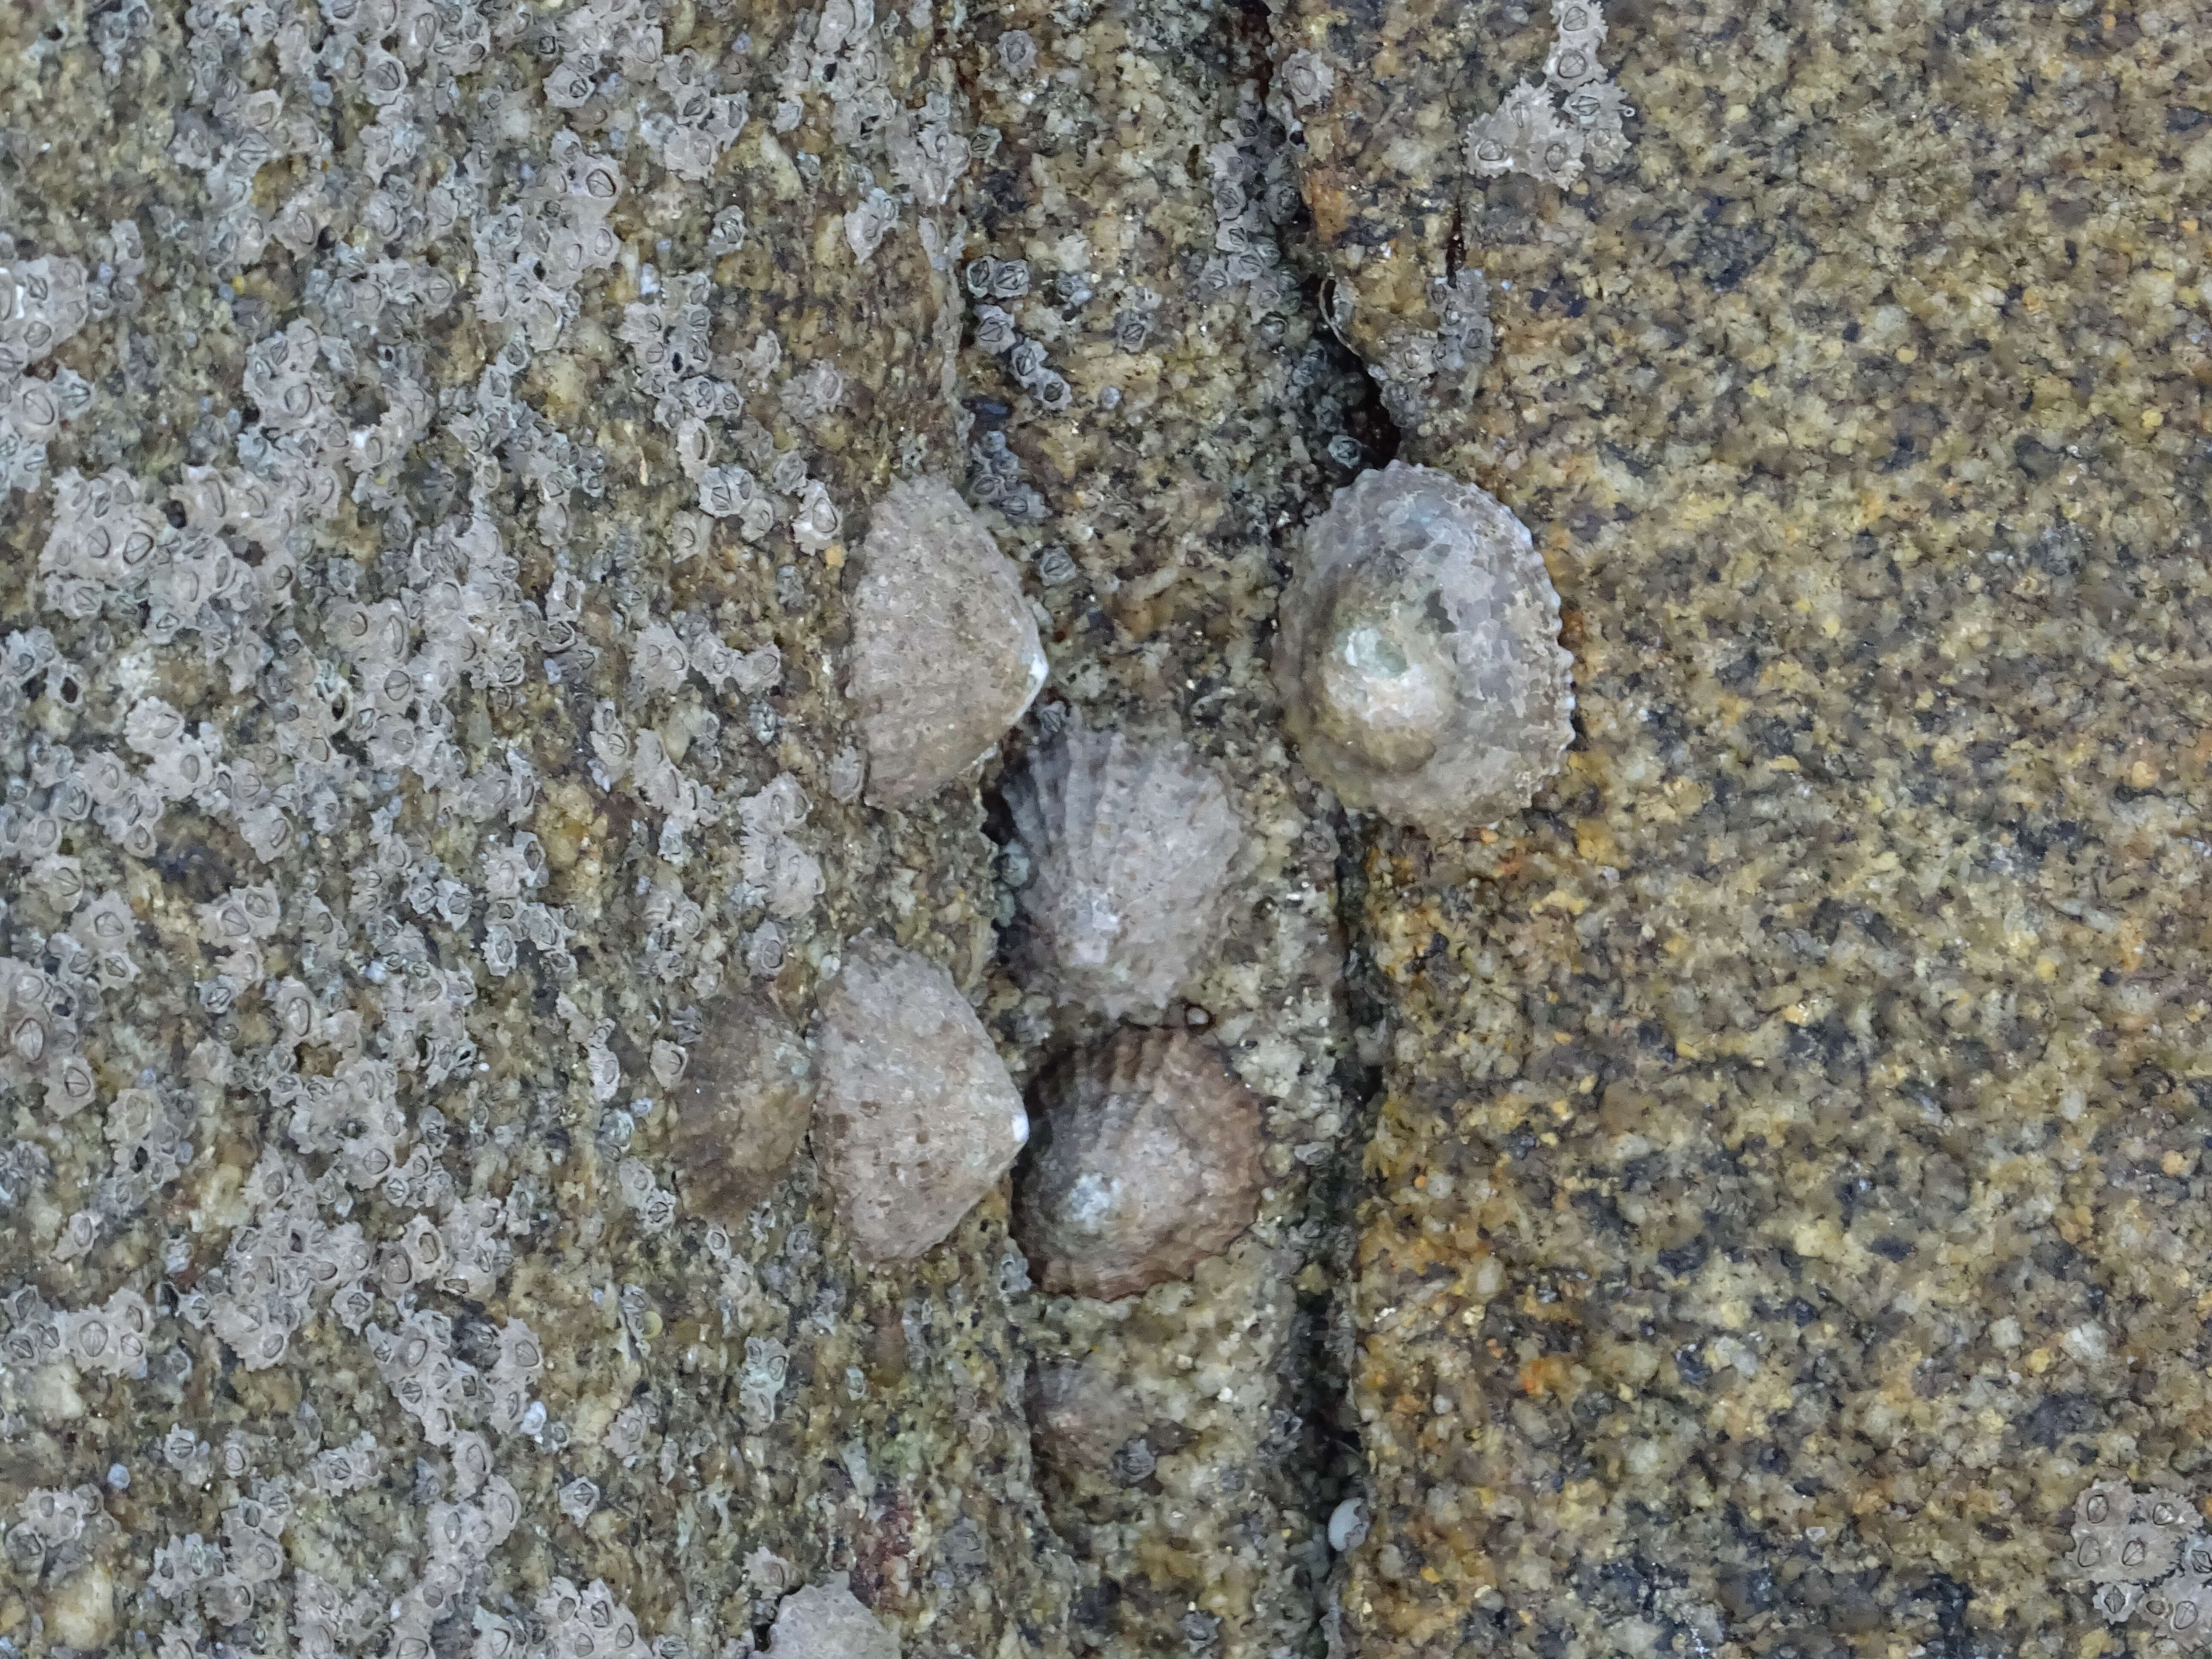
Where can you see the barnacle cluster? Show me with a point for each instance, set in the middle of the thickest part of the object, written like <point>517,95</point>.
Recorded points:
<point>1418,660</point>
<point>2145,1556</point>
<point>43,302</point>
<point>1550,132</point>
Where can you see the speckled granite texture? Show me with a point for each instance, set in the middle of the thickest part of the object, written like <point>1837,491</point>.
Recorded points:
<point>1787,1198</point>
<point>434,437</point>
<point>455,424</point>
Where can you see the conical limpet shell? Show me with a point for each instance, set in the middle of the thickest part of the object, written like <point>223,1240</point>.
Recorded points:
<point>1420,661</point>
<point>1132,843</point>
<point>1145,1161</point>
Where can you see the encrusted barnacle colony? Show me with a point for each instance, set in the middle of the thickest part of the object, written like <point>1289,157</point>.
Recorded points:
<point>917,1118</point>
<point>1146,1161</point>
<point>1132,844</point>
<point>945,652</point>
<point>2148,1554</point>
<point>742,1105</point>
<point>1549,131</point>
<point>1420,661</point>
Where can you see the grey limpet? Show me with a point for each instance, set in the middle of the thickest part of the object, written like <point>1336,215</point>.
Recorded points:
<point>1132,842</point>
<point>1420,661</point>
<point>945,654</point>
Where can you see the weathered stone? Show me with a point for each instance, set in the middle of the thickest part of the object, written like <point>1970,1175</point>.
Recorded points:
<point>826,1621</point>
<point>1132,843</point>
<point>918,1117</point>
<point>1146,1161</point>
<point>945,654</point>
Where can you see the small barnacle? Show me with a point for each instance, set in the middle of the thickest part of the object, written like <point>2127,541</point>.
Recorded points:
<point>917,1116</point>
<point>788,474</point>
<point>578,1498</point>
<point>728,234</point>
<point>1418,660</point>
<point>1052,391</point>
<point>690,536</point>
<point>868,224</point>
<point>994,330</point>
<point>945,652</point>
<point>69,1085</point>
<point>724,491</point>
<point>1306,79</point>
<point>694,448</point>
<point>1018,54</point>
<point>1025,362</point>
<point>1056,567</point>
<point>847,774</point>
<point>817,522</point>
<point>1132,844</point>
<point>1146,1161</point>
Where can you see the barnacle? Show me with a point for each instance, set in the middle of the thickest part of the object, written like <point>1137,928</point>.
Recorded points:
<point>945,654</point>
<point>1132,844</point>
<point>1419,660</point>
<point>1145,1161</point>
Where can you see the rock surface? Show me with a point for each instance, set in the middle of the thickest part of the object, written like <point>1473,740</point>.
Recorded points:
<point>1145,1161</point>
<point>1784,1202</point>
<point>828,1622</point>
<point>423,611</point>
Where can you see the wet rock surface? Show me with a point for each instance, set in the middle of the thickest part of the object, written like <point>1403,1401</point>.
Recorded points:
<point>1784,1198</point>
<point>437,441</point>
